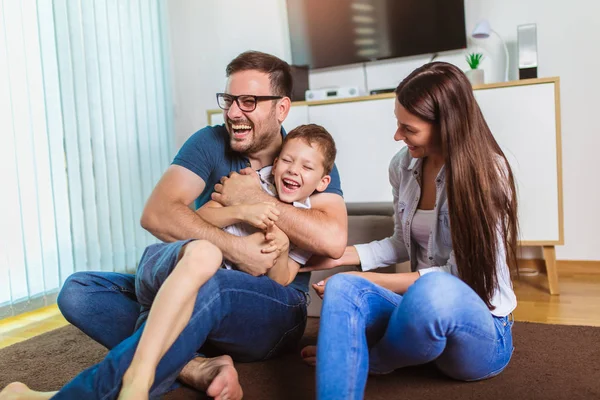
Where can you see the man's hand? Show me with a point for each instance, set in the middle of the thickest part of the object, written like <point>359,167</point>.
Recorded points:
<point>260,215</point>
<point>243,188</point>
<point>251,258</point>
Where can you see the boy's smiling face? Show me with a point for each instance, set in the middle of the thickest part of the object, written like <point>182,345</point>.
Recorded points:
<point>299,171</point>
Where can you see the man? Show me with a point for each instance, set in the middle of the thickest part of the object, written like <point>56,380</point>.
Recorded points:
<point>244,315</point>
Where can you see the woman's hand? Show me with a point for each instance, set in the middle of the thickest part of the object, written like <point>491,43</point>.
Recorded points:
<point>319,287</point>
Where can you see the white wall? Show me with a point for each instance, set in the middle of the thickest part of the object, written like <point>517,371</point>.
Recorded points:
<point>207,34</point>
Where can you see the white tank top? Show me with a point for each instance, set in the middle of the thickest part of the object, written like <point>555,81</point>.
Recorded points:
<point>422,224</point>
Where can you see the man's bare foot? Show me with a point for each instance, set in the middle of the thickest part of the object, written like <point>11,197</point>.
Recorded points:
<point>215,376</point>
<point>20,391</point>
<point>309,355</point>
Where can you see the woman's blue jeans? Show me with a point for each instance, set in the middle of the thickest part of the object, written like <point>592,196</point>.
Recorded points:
<point>366,329</point>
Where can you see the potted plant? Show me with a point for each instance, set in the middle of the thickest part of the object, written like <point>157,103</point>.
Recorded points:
<point>475,75</point>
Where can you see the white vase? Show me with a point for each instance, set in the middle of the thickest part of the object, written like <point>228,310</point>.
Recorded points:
<point>475,76</point>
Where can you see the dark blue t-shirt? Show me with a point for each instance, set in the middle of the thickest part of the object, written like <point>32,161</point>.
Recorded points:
<point>208,154</point>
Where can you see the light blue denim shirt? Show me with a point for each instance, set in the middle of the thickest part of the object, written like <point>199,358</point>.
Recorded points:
<point>405,178</point>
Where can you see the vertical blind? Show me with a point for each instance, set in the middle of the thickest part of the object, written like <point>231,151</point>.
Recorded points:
<point>85,133</point>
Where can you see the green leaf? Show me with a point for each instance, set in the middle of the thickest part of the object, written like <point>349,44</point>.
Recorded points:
<point>474,59</point>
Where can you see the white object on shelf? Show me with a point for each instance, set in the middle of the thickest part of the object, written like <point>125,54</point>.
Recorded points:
<point>483,31</point>
<point>475,76</point>
<point>331,93</point>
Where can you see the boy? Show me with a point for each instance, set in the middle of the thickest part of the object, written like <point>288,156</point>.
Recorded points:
<point>302,167</point>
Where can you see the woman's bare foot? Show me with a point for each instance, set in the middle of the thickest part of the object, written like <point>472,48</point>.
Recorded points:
<point>309,355</point>
<point>215,376</point>
<point>20,391</point>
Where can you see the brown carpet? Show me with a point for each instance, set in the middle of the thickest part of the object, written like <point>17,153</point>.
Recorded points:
<point>550,362</point>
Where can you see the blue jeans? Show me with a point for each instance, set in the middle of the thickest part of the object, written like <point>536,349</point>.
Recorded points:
<point>249,318</point>
<point>368,329</point>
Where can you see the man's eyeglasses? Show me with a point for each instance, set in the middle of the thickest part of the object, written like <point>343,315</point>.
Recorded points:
<point>246,102</point>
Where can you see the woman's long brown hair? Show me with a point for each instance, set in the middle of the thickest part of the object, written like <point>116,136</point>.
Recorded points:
<point>479,181</point>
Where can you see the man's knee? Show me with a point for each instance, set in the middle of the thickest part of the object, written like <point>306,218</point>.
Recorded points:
<point>72,295</point>
<point>225,285</point>
<point>217,284</point>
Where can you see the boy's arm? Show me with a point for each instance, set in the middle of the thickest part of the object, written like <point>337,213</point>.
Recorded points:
<point>285,269</point>
<point>215,214</point>
<point>322,230</point>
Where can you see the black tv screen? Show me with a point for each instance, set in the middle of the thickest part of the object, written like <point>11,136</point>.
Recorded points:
<point>326,33</point>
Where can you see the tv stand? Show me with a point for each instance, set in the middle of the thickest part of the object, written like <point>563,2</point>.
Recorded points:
<point>380,91</point>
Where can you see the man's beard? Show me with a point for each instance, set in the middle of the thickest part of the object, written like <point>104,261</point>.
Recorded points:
<point>262,136</point>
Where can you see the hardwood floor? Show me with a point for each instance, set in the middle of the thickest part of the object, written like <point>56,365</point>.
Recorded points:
<point>578,304</point>
<point>27,325</point>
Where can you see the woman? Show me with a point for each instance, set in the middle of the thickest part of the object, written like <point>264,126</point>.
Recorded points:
<point>456,221</point>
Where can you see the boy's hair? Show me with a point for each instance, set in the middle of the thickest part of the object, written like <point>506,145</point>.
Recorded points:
<point>316,134</point>
<point>280,73</point>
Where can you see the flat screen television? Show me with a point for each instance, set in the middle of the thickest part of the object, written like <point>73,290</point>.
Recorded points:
<point>326,33</point>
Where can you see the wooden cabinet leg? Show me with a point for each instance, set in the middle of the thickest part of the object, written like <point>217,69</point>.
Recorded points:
<point>550,259</point>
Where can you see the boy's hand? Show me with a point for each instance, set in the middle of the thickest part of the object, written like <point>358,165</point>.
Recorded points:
<point>251,258</point>
<point>277,240</point>
<point>260,215</point>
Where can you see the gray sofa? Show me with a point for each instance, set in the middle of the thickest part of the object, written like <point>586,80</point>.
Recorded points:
<point>365,224</point>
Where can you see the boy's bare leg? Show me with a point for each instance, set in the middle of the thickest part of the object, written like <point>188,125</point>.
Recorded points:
<point>169,315</point>
<point>19,391</point>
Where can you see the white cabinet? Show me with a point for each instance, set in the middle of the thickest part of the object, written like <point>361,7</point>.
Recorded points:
<point>523,121</point>
<point>364,137</point>
<point>215,117</point>
<point>298,115</point>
